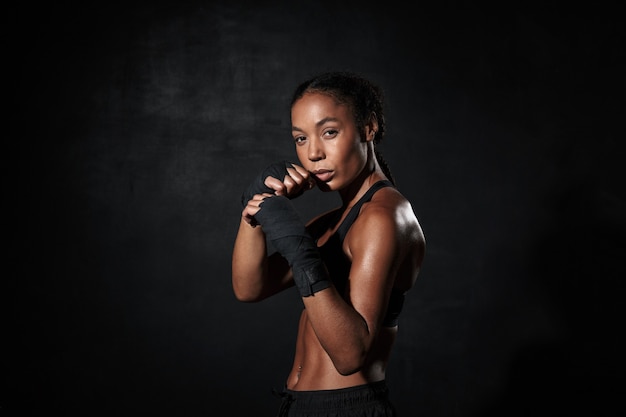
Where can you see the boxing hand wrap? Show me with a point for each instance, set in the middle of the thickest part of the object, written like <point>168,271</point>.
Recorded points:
<point>277,170</point>
<point>284,228</point>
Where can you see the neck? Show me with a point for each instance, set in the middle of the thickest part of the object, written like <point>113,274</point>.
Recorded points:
<point>370,174</point>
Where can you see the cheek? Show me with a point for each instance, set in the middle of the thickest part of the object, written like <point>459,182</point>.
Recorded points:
<point>354,153</point>
<point>301,154</point>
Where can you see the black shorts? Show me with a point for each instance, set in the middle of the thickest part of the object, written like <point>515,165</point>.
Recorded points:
<point>369,400</point>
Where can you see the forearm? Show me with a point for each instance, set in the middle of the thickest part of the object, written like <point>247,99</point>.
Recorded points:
<point>341,330</point>
<point>255,275</point>
<point>249,262</point>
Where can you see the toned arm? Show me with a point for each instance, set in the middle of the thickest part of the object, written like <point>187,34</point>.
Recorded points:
<point>347,328</point>
<point>254,275</point>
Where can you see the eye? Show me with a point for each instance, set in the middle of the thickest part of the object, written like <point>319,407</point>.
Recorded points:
<point>299,140</point>
<point>330,133</point>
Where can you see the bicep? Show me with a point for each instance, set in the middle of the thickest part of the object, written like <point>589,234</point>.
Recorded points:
<point>374,250</point>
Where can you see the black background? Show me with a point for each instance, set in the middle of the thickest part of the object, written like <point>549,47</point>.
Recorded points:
<point>133,130</point>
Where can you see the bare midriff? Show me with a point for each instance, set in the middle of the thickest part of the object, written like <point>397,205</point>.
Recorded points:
<point>314,370</point>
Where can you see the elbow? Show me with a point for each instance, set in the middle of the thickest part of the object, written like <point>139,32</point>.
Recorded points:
<point>350,364</point>
<point>243,294</point>
<point>352,356</point>
<point>347,371</point>
<point>244,298</point>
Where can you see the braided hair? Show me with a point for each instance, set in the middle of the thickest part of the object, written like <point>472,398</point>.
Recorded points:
<point>360,95</point>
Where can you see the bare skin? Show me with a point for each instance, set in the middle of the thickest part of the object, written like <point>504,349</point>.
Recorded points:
<point>341,341</point>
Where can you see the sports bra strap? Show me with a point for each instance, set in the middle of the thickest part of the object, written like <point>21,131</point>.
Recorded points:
<point>342,231</point>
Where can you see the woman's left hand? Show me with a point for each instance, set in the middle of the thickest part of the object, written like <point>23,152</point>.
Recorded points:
<point>294,184</point>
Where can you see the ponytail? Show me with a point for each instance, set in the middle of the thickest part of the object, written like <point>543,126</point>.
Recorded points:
<point>384,166</point>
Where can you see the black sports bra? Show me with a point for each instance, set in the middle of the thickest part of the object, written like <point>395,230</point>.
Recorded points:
<point>338,264</point>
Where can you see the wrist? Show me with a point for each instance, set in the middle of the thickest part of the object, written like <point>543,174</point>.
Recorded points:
<point>311,279</point>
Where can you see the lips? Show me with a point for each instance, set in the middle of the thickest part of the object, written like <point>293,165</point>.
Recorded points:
<point>323,175</point>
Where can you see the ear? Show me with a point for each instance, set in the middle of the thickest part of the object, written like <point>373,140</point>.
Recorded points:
<point>371,128</point>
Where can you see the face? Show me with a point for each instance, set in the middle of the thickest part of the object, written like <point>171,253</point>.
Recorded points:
<point>328,143</point>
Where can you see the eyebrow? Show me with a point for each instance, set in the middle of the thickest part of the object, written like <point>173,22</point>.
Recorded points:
<point>318,124</point>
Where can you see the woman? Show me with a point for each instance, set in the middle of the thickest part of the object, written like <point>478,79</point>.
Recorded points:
<point>352,266</point>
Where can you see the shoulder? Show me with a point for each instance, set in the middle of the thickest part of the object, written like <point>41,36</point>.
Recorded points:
<point>387,220</point>
<point>391,209</point>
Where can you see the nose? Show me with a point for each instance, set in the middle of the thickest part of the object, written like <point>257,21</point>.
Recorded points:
<point>316,149</point>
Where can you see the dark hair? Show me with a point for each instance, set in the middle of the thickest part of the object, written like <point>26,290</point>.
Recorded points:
<point>360,95</point>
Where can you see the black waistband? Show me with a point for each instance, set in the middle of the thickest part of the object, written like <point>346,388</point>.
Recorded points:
<point>336,399</point>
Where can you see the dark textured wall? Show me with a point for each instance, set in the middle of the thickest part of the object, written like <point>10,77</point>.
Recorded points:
<point>137,128</point>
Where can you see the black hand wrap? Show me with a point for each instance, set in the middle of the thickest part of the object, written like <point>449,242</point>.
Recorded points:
<point>277,170</point>
<point>284,228</point>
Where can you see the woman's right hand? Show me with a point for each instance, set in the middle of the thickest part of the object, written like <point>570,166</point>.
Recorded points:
<point>253,208</point>
<point>296,180</point>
